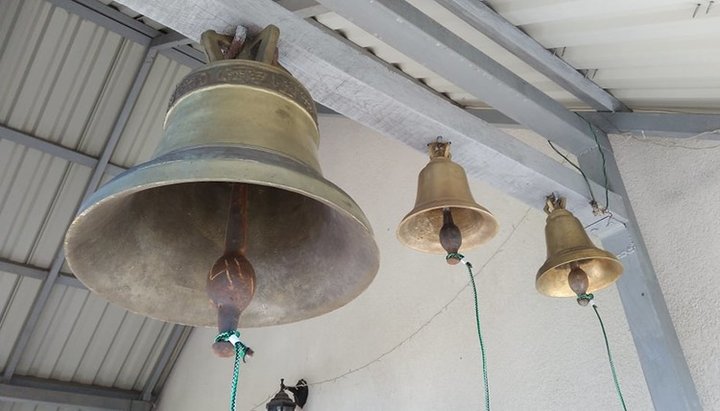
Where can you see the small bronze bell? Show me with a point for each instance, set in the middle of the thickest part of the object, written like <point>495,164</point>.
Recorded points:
<point>574,266</point>
<point>235,185</point>
<point>445,216</point>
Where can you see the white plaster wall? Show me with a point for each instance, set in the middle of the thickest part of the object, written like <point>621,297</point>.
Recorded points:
<point>409,342</point>
<point>674,186</point>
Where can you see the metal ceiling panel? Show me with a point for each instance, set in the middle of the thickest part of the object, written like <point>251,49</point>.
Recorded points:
<point>62,78</point>
<point>38,197</point>
<point>82,338</point>
<point>144,129</point>
<point>651,54</point>
<point>65,80</point>
<point>16,294</point>
<point>433,80</point>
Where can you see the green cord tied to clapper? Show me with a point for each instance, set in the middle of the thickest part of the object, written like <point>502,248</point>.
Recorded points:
<point>589,298</point>
<point>241,350</point>
<point>469,266</point>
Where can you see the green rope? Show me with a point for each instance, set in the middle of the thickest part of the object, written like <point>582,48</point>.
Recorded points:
<point>240,352</point>
<point>477,323</point>
<point>610,360</point>
<point>589,299</point>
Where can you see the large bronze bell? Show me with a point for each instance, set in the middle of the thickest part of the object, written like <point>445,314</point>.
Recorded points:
<point>239,151</point>
<point>445,216</point>
<point>574,266</point>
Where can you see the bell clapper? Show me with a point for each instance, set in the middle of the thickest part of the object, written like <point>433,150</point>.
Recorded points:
<point>450,236</point>
<point>579,282</point>
<point>231,281</point>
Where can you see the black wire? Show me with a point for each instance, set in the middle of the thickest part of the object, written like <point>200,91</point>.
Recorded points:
<point>592,195</point>
<point>602,155</point>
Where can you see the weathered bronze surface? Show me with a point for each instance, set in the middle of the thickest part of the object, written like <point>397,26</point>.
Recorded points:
<point>442,184</point>
<point>570,250</point>
<point>146,239</point>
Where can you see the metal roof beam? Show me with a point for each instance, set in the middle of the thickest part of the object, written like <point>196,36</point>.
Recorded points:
<point>669,125</point>
<point>37,143</point>
<point>349,80</point>
<point>661,356</point>
<point>92,185</point>
<point>58,393</point>
<point>672,125</point>
<point>485,20</point>
<point>409,31</point>
<point>26,270</point>
<point>304,8</point>
<point>169,40</point>
<point>165,361</point>
<point>129,28</point>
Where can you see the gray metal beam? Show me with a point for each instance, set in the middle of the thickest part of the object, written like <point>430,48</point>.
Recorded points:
<point>674,125</point>
<point>164,364</point>
<point>37,143</point>
<point>95,178</point>
<point>58,393</point>
<point>484,19</point>
<point>661,357</point>
<point>409,31</point>
<point>304,8</point>
<point>129,28</point>
<point>349,80</point>
<point>27,140</point>
<point>169,40</point>
<point>670,125</point>
<point>26,270</point>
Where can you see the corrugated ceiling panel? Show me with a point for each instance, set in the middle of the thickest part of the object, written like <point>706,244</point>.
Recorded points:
<point>38,197</point>
<point>628,47</point>
<point>651,54</point>
<point>62,78</point>
<point>433,80</point>
<point>82,338</point>
<point>144,130</point>
<point>16,295</point>
<point>65,80</point>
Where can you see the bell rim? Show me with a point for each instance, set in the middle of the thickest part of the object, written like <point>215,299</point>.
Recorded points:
<point>105,195</point>
<point>457,204</point>
<point>546,268</point>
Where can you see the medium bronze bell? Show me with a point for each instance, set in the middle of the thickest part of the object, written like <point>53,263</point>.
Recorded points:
<point>445,216</point>
<point>239,150</point>
<point>574,266</point>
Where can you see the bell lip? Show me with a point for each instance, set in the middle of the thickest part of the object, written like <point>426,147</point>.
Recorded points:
<point>567,292</point>
<point>439,250</point>
<point>114,189</point>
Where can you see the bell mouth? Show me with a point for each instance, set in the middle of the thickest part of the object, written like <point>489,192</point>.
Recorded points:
<point>147,239</point>
<point>420,229</point>
<point>601,267</point>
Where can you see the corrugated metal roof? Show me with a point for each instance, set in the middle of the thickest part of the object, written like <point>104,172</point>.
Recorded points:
<point>65,80</point>
<point>144,129</point>
<point>651,54</point>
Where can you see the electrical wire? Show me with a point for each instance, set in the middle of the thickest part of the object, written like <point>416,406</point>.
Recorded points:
<point>592,195</point>
<point>604,167</point>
